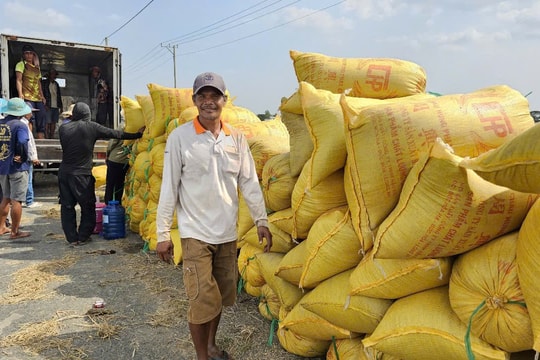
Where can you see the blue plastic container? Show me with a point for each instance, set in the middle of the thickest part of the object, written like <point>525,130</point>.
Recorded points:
<point>114,221</point>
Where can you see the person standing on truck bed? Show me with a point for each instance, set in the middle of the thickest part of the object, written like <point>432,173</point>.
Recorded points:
<point>53,102</point>
<point>28,80</point>
<point>75,180</point>
<point>101,97</point>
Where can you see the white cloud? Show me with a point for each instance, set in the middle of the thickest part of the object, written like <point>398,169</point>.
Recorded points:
<point>372,9</point>
<point>18,13</point>
<point>322,20</point>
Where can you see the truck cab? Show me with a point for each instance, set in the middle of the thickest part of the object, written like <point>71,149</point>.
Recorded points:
<point>73,62</point>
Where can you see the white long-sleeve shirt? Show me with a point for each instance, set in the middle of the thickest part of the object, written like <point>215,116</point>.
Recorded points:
<point>32,149</point>
<point>201,178</point>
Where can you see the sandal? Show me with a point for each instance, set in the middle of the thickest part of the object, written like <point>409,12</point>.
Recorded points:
<point>19,235</point>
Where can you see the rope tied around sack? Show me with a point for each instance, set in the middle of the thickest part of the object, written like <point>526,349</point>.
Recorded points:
<point>493,302</point>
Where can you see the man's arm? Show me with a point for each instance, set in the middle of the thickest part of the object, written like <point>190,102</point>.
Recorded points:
<point>18,84</point>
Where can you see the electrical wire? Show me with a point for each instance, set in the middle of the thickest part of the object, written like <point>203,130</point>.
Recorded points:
<point>127,22</point>
<point>262,31</point>
<point>137,68</point>
<point>237,25</point>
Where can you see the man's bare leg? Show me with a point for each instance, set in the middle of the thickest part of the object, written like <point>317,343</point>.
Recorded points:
<point>4,212</point>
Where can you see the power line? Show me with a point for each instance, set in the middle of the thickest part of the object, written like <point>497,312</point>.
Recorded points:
<point>234,18</point>
<point>262,31</point>
<point>237,25</point>
<point>136,65</point>
<point>127,22</point>
<point>243,37</point>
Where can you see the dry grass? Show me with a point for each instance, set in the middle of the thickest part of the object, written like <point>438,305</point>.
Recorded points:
<point>52,213</point>
<point>39,337</point>
<point>168,314</point>
<point>104,328</point>
<point>30,283</point>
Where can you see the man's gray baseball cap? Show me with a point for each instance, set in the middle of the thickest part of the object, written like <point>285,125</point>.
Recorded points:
<point>209,79</point>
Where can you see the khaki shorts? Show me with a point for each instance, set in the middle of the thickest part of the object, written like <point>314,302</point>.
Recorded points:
<point>210,276</point>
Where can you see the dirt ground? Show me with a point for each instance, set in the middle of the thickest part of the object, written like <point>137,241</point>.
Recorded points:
<point>47,292</point>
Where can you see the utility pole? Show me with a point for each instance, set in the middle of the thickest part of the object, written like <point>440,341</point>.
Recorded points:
<point>173,52</point>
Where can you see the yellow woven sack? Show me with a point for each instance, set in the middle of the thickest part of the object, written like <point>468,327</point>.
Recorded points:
<point>291,266</point>
<point>288,294</point>
<point>252,290</point>
<point>515,164</point>
<point>147,106</point>
<point>378,78</point>
<point>300,143</point>
<point>281,241</point>
<point>302,346</point>
<point>283,219</point>
<point>177,246</point>
<point>154,187</point>
<point>135,210</point>
<point>168,104</point>
<point>265,147</point>
<point>424,327</point>
<point>245,221</point>
<point>324,120</point>
<point>384,141</point>
<point>485,293</point>
<point>100,174</point>
<point>269,304</point>
<point>353,349</point>
<point>331,247</point>
<point>310,203</point>
<point>528,266</point>
<point>133,114</point>
<point>396,278</point>
<point>248,267</point>
<point>143,166</point>
<point>277,182</point>
<point>186,115</point>
<point>331,301</point>
<point>236,115</point>
<point>445,210</point>
<point>307,324</point>
<point>291,104</point>
<point>272,128</point>
<point>157,154</point>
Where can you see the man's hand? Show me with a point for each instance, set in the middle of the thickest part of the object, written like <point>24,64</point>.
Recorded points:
<point>264,233</point>
<point>164,250</point>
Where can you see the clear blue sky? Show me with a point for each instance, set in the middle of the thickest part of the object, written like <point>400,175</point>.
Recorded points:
<point>463,45</point>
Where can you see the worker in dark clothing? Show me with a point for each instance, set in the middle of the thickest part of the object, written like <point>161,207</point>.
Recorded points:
<point>75,180</point>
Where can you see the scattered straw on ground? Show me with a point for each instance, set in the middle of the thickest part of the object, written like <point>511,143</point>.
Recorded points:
<point>30,283</point>
<point>39,337</point>
<point>51,213</point>
<point>104,328</point>
<point>170,313</point>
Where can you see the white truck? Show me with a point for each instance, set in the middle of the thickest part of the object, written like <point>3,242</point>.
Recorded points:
<point>73,62</point>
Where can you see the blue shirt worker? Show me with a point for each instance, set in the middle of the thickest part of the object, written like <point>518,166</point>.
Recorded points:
<point>14,166</point>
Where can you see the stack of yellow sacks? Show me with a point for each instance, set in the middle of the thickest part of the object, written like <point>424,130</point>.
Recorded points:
<point>403,223</point>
